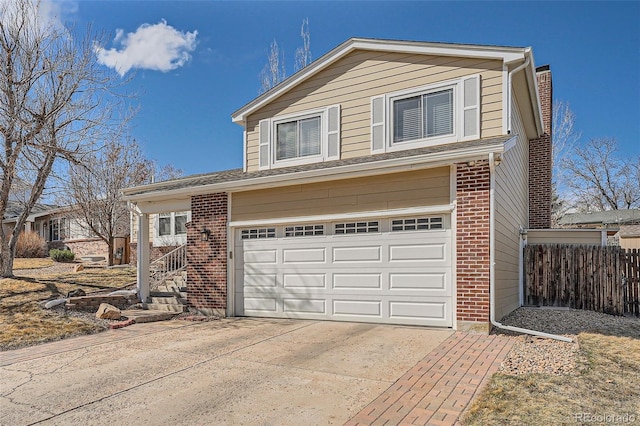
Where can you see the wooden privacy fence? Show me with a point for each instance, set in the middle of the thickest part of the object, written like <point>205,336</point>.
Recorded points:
<point>603,279</point>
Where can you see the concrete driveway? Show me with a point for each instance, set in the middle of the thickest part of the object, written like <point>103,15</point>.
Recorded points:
<point>232,371</point>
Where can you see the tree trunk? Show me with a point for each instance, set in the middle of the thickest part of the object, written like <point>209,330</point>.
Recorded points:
<point>110,257</point>
<point>6,259</point>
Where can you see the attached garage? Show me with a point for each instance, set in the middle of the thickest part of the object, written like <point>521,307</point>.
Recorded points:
<point>395,270</point>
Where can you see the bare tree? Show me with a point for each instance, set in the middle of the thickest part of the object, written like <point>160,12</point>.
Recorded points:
<point>94,189</point>
<point>565,137</point>
<point>274,71</point>
<point>601,180</point>
<point>303,54</point>
<point>54,101</point>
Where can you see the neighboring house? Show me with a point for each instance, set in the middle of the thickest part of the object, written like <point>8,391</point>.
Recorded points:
<point>386,182</point>
<point>629,236</point>
<point>59,229</point>
<point>606,219</point>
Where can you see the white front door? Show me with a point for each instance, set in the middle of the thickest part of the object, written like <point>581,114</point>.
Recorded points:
<point>394,271</point>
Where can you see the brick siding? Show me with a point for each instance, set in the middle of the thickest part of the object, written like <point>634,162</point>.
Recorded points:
<point>540,166</point>
<point>472,240</point>
<point>207,260</point>
<point>154,252</point>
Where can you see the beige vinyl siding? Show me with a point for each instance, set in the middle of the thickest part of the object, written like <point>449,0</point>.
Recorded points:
<point>383,192</point>
<point>134,228</point>
<point>565,236</point>
<point>629,243</point>
<point>511,213</point>
<point>354,79</point>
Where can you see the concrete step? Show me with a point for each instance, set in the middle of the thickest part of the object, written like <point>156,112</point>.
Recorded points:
<point>168,300</point>
<point>167,307</point>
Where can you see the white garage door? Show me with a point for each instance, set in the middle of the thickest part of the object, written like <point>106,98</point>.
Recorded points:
<point>384,271</point>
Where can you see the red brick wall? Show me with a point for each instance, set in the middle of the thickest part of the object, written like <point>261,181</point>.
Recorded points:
<point>540,158</point>
<point>154,252</point>
<point>472,240</point>
<point>207,260</point>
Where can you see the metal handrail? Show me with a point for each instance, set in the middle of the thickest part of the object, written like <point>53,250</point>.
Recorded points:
<point>167,266</point>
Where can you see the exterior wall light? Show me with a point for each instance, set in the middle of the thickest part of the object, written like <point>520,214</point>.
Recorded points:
<point>204,234</point>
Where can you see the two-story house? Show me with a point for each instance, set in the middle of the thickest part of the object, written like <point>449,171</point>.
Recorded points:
<point>388,182</point>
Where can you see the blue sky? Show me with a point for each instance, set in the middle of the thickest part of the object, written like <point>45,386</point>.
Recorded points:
<point>217,49</point>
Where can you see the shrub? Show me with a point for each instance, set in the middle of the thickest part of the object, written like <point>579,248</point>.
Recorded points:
<point>30,244</point>
<point>62,255</point>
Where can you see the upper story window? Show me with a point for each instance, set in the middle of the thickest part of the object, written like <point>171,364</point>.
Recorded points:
<point>308,137</point>
<point>425,116</point>
<point>298,138</point>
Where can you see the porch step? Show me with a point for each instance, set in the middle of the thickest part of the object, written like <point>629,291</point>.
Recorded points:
<point>141,316</point>
<point>167,307</point>
<point>168,300</point>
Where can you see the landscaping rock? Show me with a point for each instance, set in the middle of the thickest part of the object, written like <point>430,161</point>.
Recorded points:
<point>107,311</point>
<point>78,268</point>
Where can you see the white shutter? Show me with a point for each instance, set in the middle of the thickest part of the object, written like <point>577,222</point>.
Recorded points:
<point>377,124</point>
<point>333,132</point>
<point>244,151</point>
<point>264,147</point>
<point>471,107</point>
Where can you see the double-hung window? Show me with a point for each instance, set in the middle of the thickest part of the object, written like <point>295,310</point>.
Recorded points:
<point>307,137</point>
<point>298,138</point>
<point>440,113</point>
<point>171,229</point>
<point>423,116</point>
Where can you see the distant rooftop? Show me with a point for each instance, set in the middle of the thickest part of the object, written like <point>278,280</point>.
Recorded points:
<point>15,208</point>
<point>609,217</point>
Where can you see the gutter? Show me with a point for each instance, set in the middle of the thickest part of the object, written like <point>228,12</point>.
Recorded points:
<point>492,264</point>
<point>510,92</point>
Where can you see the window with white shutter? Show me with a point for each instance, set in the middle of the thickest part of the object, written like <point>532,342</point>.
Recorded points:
<point>308,137</point>
<point>425,116</point>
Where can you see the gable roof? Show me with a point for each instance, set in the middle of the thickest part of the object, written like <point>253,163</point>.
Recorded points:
<point>609,217</point>
<point>15,209</point>
<point>504,53</point>
<point>236,179</point>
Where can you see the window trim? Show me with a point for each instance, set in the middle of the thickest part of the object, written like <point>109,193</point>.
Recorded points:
<point>173,239</point>
<point>330,135</point>
<point>298,117</point>
<point>384,128</point>
<point>420,91</point>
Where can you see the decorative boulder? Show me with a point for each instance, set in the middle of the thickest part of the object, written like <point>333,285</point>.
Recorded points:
<point>107,311</point>
<point>78,268</point>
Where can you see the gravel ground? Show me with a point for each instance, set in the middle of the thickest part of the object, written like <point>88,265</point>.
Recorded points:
<point>56,268</point>
<point>540,355</point>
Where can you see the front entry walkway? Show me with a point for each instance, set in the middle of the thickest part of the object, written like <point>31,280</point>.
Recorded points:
<point>440,387</point>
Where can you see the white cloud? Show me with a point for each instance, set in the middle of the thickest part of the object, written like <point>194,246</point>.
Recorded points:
<point>158,47</point>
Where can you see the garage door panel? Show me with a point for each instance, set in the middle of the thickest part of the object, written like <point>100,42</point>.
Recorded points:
<point>356,307</point>
<point>260,280</point>
<point>304,280</point>
<point>304,306</point>
<point>260,256</point>
<point>419,310</point>
<point>354,281</point>
<point>304,255</point>
<point>260,304</point>
<point>357,254</point>
<point>428,281</point>
<point>417,252</point>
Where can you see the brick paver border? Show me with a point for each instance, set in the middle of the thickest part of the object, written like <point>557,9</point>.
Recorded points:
<point>439,388</point>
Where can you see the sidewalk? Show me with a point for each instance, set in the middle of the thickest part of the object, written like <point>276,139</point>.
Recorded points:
<point>440,387</point>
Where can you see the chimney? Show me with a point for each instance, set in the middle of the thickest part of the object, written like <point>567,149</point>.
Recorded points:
<point>540,152</point>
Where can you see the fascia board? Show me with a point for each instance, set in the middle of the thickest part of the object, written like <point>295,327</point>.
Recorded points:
<point>506,54</point>
<point>319,175</point>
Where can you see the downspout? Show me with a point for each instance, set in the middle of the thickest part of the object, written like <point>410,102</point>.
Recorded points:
<point>510,94</point>
<point>492,264</point>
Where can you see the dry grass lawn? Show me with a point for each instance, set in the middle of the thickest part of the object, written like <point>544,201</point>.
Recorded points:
<point>36,263</point>
<point>607,385</point>
<point>24,323</point>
